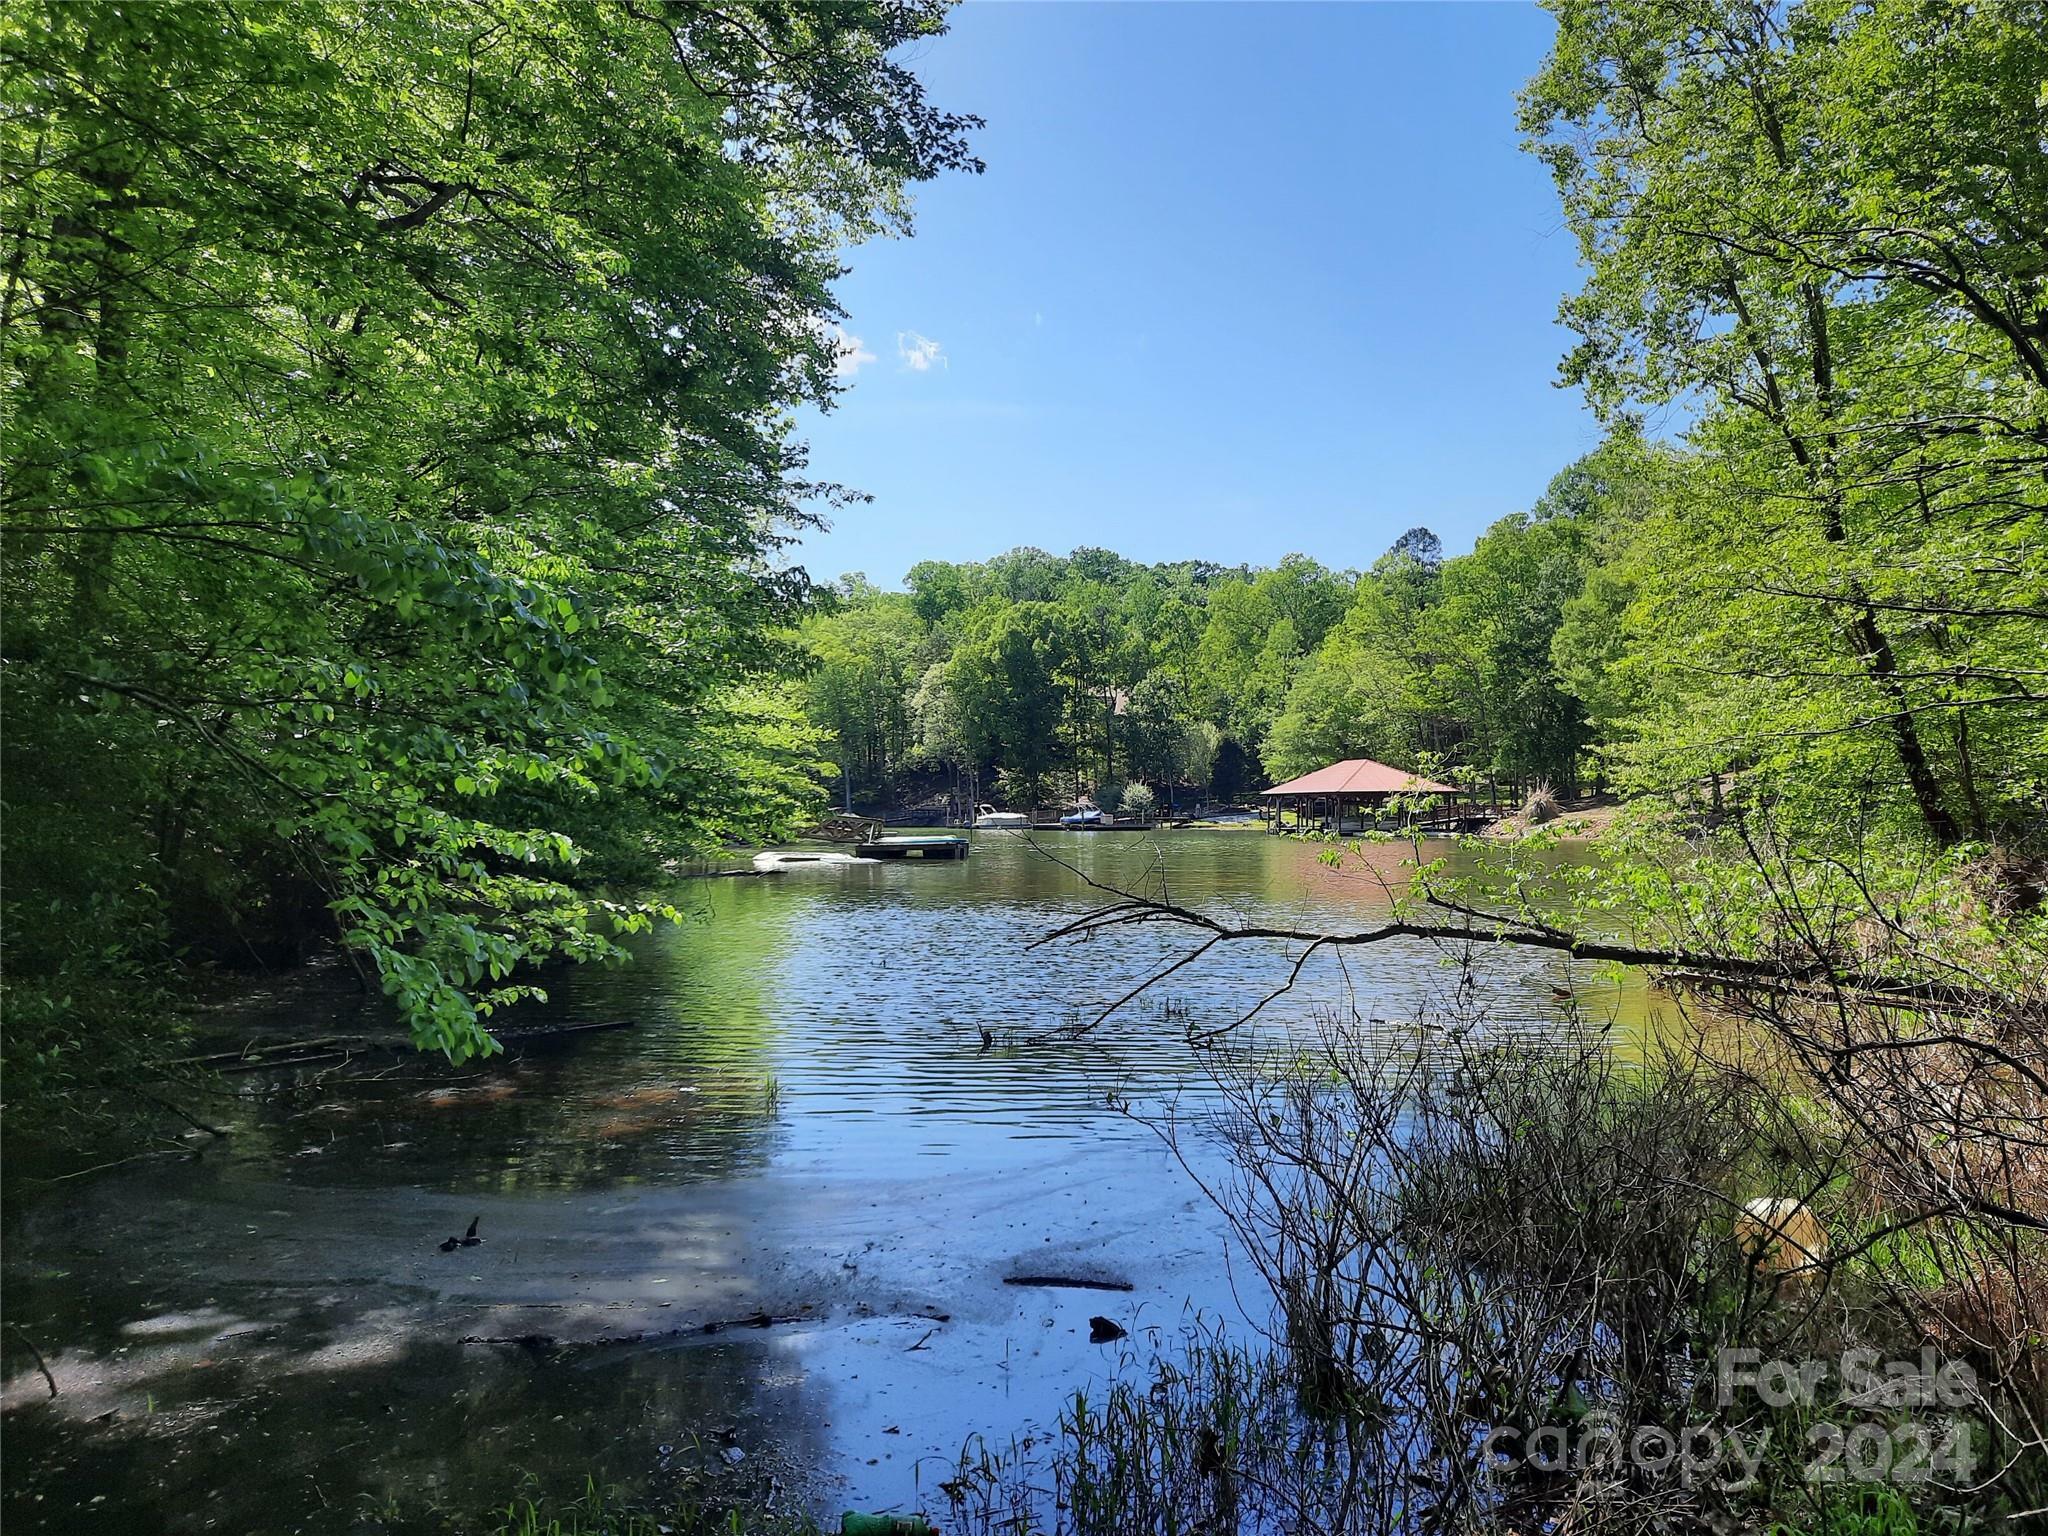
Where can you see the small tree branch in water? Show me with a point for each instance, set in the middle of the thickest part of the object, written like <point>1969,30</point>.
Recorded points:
<point>30,1343</point>
<point>1808,973</point>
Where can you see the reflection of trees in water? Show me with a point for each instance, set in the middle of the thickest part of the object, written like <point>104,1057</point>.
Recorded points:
<point>438,1429</point>
<point>689,1092</point>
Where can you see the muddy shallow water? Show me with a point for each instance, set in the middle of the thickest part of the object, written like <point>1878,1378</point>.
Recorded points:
<point>805,1126</point>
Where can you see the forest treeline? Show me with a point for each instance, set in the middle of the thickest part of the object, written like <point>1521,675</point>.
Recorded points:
<point>1611,636</point>
<point>1039,677</point>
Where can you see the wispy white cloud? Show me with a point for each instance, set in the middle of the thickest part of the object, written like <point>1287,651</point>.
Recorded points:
<point>919,353</point>
<point>849,352</point>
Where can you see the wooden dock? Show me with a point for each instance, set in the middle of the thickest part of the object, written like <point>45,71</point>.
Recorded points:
<point>943,846</point>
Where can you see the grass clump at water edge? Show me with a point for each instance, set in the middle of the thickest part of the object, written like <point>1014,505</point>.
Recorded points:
<point>601,1510</point>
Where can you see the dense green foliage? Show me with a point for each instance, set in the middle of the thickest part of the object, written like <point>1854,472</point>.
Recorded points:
<point>396,456</point>
<point>1819,230</point>
<point>1050,673</point>
<point>1062,674</point>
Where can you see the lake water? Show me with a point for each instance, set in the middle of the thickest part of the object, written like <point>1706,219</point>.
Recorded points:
<point>805,1124</point>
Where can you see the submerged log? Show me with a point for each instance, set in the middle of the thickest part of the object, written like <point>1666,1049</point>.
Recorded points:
<point>332,1048</point>
<point>548,1341</point>
<point>1070,1282</point>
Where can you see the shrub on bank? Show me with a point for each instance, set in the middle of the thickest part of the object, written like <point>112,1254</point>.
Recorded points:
<point>1509,1296</point>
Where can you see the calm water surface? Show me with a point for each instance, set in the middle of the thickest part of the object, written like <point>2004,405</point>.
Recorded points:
<point>805,1124</point>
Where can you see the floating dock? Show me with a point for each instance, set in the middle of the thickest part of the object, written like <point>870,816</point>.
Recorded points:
<point>944,846</point>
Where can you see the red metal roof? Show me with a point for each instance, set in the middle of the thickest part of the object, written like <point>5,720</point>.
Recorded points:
<point>1360,776</point>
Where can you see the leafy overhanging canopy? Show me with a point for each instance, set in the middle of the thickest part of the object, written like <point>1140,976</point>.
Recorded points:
<point>397,450</point>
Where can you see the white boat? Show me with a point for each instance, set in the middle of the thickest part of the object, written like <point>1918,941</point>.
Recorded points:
<point>775,863</point>
<point>989,816</point>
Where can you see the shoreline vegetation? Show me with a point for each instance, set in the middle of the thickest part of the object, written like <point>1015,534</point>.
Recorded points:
<point>396,473</point>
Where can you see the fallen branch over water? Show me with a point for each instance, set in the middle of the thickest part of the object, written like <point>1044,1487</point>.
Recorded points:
<point>1726,970</point>
<point>330,1048</point>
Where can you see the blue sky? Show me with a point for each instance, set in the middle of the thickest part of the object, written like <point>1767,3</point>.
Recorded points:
<point>1240,280</point>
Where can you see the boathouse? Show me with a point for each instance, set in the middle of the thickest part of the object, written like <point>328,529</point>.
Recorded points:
<point>1346,796</point>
